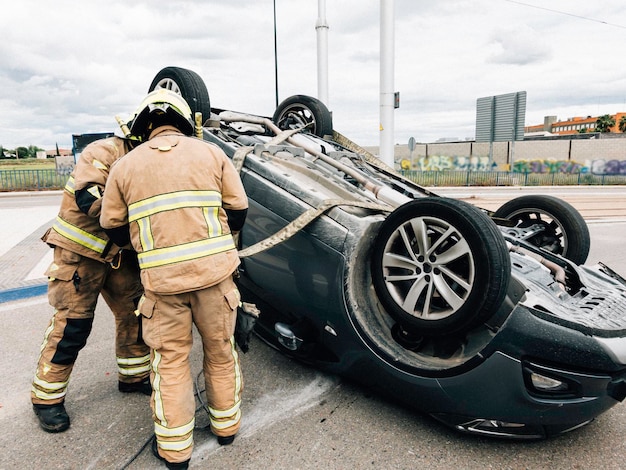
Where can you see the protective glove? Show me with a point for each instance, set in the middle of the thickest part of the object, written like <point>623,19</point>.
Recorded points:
<point>247,315</point>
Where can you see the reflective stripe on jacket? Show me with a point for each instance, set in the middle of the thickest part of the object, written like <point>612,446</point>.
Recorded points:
<point>73,229</point>
<point>208,201</point>
<point>172,190</point>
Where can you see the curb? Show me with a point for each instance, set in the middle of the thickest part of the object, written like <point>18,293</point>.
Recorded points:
<point>19,293</point>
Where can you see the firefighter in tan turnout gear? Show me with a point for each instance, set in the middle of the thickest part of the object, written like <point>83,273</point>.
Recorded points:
<point>86,264</point>
<point>180,199</point>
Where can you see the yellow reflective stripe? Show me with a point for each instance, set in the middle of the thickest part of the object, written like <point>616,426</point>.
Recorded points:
<point>48,390</point>
<point>238,380</point>
<point>50,386</point>
<point>211,216</point>
<point>226,424</point>
<point>217,416</point>
<point>46,396</point>
<point>145,234</point>
<point>49,330</point>
<point>186,252</point>
<point>225,413</point>
<point>159,412</point>
<point>170,201</point>
<point>179,431</point>
<point>131,361</point>
<point>94,191</point>
<point>99,165</point>
<point>176,445</point>
<point>129,371</point>
<point>79,236</point>
<point>130,366</point>
<point>69,185</point>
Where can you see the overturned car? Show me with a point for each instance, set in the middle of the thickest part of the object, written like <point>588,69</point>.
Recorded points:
<point>487,321</point>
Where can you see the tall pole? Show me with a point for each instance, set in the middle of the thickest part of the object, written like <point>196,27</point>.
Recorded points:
<point>275,56</point>
<point>321,27</point>
<point>387,96</point>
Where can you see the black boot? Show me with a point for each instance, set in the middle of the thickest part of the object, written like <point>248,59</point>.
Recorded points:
<point>141,387</point>
<point>225,440</point>
<point>170,465</point>
<point>52,418</point>
<point>222,440</point>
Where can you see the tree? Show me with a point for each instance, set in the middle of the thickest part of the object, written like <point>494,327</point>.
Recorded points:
<point>32,151</point>
<point>604,123</point>
<point>622,124</point>
<point>21,152</point>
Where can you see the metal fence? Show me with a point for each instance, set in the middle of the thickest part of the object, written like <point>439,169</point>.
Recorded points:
<point>40,180</point>
<point>505,178</point>
<point>31,180</point>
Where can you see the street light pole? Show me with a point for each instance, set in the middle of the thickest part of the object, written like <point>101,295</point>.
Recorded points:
<point>321,26</point>
<point>387,95</point>
<point>275,56</point>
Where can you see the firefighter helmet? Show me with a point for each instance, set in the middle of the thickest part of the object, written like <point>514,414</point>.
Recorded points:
<point>158,108</point>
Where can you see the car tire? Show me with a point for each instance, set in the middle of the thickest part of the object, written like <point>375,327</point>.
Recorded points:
<point>440,266</point>
<point>564,229</point>
<point>301,110</point>
<point>186,83</point>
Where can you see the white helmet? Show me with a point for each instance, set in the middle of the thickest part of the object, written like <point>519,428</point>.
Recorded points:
<point>161,107</point>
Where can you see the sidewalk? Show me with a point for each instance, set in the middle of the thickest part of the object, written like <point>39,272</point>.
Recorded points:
<point>23,256</point>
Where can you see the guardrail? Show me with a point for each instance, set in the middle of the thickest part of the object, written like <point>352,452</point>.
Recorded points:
<point>505,178</point>
<point>31,180</point>
<point>41,180</point>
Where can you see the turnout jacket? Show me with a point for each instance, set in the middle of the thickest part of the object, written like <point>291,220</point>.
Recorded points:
<point>174,191</point>
<point>73,229</point>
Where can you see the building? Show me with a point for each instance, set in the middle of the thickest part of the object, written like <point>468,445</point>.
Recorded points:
<point>574,125</point>
<point>57,151</point>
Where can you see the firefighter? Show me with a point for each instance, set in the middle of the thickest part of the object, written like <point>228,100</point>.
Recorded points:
<point>86,264</point>
<point>180,201</point>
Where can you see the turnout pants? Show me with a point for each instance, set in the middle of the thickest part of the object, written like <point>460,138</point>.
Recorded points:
<point>167,328</point>
<point>74,284</point>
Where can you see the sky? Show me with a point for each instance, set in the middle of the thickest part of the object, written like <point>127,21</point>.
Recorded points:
<point>69,67</point>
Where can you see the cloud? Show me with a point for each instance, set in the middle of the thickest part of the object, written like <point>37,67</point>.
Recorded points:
<point>69,67</point>
<point>518,46</point>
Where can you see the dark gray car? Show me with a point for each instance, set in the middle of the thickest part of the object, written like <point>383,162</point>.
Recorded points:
<point>488,321</point>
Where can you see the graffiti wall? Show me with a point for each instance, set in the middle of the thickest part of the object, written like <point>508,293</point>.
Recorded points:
<point>546,166</point>
<point>610,167</point>
<point>596,167</point>
<point>442,162</point>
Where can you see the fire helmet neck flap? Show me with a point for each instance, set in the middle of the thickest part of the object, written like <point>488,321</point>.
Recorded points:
<point>161,107</point>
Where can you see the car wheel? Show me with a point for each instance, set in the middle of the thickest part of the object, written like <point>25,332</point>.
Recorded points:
<point>549,223</point>
<point>440,266</point>
<point>301,110</point>
<point>186,83</point>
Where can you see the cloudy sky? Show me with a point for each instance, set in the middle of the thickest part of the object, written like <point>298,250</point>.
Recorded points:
<point>68,67</point>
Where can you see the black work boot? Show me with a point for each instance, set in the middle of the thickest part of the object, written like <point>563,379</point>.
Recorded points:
<point>52,418</point>
<point>222,440</point>
<point>225,440</point>
<point>170,465</point>
<point>141,387</point>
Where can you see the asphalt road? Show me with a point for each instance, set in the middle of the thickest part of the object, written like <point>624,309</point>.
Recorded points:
<point>593,202</point>
<point>294,417</point>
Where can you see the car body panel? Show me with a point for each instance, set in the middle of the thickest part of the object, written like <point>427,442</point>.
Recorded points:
<point>313,286</point>
<point>317,285</point>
